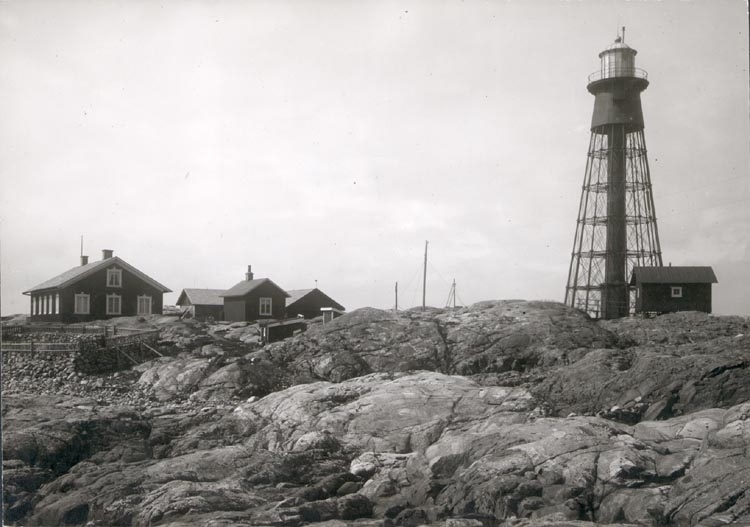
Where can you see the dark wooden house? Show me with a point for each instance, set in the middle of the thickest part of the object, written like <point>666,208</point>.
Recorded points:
<point>254,299</point>
<point>99,290</point>
<point>307,303</point>
<point>202,304</point>
<point>670,289</point>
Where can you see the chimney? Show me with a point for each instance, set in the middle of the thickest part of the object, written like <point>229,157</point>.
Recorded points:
<point>107,254</point>
<point>249,273</point>
<point>84,260</point>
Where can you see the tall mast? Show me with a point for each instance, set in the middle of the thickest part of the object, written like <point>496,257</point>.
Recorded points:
<point>424,278</point>
<point>452,295</point>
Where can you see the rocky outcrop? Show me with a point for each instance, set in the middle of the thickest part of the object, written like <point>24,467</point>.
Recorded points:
<point>705,366</point>
<point>213,378</point>
<point>413,448</point>
<point>489,337</point>
<point>505,413</point>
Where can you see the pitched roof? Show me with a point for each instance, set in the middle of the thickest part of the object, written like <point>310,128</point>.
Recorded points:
<point>244,287</point>
<point>675,275</point>
<point>75,274</point>
<point>202,297</point>
<point>298,294</point>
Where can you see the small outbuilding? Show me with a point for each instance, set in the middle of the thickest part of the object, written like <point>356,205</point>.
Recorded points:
<point>670,289</point>
<point>308,303</point>
<point>202,304</point>
<point>329,313</point>
<point>98,290</point>
<point>254,299</point>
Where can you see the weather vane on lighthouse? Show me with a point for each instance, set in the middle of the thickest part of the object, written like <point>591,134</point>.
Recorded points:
<point>616,228</point>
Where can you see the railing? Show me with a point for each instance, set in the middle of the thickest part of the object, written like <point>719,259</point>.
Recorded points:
<point>134,336</point>
<point>62,328</point>
<point>618,72</point>
<point>114,330</point>
<point>125,340</point>
<point>56,328</point>
<point>11,330</point>
<point>33,347</point>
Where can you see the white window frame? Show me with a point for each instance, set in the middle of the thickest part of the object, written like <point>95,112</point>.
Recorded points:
<point>265,306</point>
<point>81,296</point>
<point>114,272</point>
<point>150,305</point>
<point>676,291</point>
<point>112,297</point>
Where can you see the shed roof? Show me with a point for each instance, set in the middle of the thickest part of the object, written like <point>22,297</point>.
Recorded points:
<point>202,297</point>
<point>674,275</point>
<point>296,295</point>
<point>75,274</point>
<point>246,286</point>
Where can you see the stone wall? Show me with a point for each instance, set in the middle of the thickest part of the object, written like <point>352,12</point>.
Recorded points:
<point>90,358</point>
<point>22,368</point>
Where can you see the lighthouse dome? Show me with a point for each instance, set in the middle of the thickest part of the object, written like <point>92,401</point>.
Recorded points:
<point>618,60</point>
<point>619,44</point>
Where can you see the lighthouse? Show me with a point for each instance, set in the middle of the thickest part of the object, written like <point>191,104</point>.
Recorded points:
<point>616,227</point>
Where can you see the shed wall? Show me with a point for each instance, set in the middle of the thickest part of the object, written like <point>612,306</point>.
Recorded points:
<point>658,298</point>
<point>234,309</point>
<point>205,312</point>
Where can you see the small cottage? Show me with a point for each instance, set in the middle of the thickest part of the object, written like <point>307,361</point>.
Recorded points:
<point>670,289</point>
<point>202,304</point>
<point>254,299</point>
<point>98,290</point>
<point>307,303</point>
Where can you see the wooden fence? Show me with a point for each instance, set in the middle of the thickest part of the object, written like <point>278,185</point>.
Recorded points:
<point>11,330</point>
<point>69,329</point>
<point>135,338</point>
<point>33,347</point>
<point>103,341</point>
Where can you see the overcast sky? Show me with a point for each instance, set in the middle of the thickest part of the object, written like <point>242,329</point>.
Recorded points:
<point>327,140</point>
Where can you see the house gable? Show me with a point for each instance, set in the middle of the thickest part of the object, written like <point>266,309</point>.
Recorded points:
<point>247,306</point>
<point>308,303</point>
<point>71,276</point>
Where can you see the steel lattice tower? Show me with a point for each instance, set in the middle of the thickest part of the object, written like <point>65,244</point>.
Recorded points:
<point>616,228</point>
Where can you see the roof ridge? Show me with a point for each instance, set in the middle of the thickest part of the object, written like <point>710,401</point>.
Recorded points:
<point>74,274</point>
